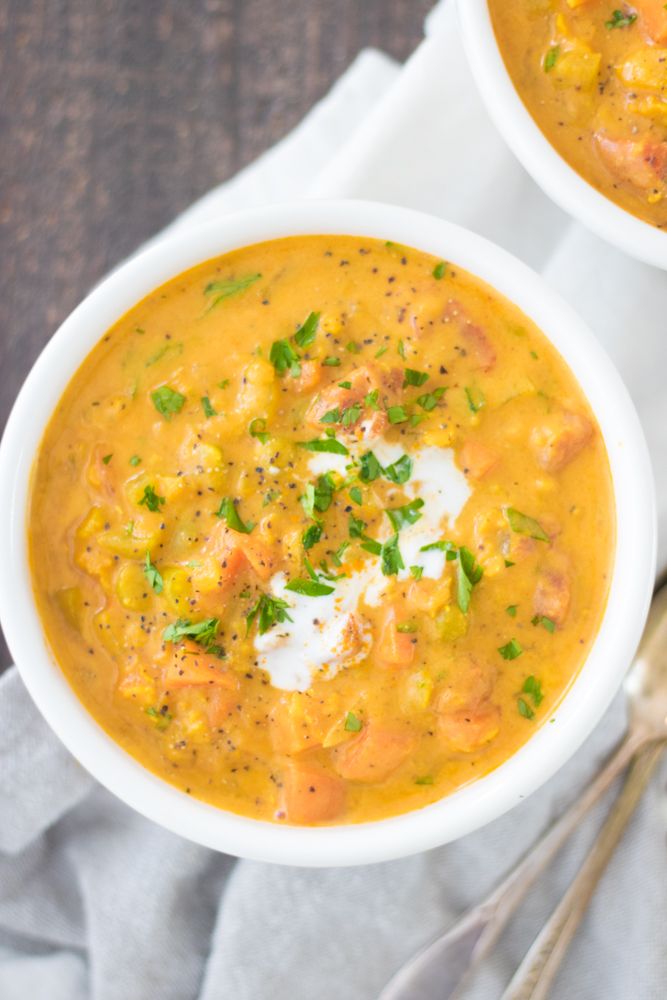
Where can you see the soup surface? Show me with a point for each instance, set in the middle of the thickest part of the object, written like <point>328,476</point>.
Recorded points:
<point>322,530</point>
<point>594,79</point>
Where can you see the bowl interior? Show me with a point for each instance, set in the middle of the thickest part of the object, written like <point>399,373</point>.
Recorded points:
<point>469,807</point>
<point>531,147</point>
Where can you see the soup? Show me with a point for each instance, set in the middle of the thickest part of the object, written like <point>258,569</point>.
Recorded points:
<point>594,78</point>
<point>322,530</point>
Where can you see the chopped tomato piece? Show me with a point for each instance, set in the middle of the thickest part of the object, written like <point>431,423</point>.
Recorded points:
<point>189,665</point>
<point>653,19</point>
<point>559,438</point>
<point>552,596</point>
<point>374,754</point>
<point>311,794</point>
<point>476,459</point>
<point>394,648</point>
<point>469,729</point>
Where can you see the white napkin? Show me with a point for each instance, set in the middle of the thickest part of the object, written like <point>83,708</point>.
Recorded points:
<point>97,903</point>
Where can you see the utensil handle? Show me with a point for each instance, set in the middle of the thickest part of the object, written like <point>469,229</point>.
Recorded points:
<point>535,975</point>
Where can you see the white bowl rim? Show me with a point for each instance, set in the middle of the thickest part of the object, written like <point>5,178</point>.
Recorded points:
<point>561,182</point>
<point>468,808</point>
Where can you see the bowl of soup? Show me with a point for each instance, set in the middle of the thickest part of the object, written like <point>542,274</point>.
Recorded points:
<point>328,532</point>
<point>578,90</point>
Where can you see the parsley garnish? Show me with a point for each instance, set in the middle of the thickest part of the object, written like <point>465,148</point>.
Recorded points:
<point>337,556</point>
<point>511,650</point>
<point>429,400</point>
<point>351,415</point>
<point>150,499</point>
<point>310,588</point>
<point>305,335</point>
<point>353,347</point>
<point>416,572</point>
<point>225,288</point>
<point>396,414</point>
<point>388,551</point>
<point>401,349</point>
<point>355,495</point>
<point>533,687</point>
<point>135,460</point>
<point>107,458</point>
<point>352,723</point>
<point>413,377</point>
<point>152,574</point>
<point>545,622</point>
<point>203,633</point>
<point>380,351</point>
<point>524,709</point>
<point>167,401</point>
<point>311,535</point>
<point>267,610</point>
<point>160,718</point>
<point>228,511</point>
<point>356,527</point>
<point>475,398</point>
<point>407,514</point>
<point>551,58</point>
<point>440,270</point>
<point>207,407</point>
<point>524,525</point>
<point>370,468</point>
<point>425,779</point>
<point>442,546</point>
<point>284,358</point>
<point>468,575</point>
<point>331,362</point>
<point>330,445</point>
<point>406,627</point>
<point>620,20</point>
<point>257,429</point>
<point>511,610</point>
<point>399,471</point>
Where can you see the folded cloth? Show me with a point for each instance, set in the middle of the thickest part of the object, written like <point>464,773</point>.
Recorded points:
<point>97,903</point>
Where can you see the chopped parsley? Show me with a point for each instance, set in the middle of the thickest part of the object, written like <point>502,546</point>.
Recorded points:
<point>228,511</point>
<point>310,588</point>
<point>413,377</point>
<point>468,575</point>
<point>399,471</point>
<point>352,723</point>
<point>619,19</point>
<point>257,429</point>
<point>305,335</point>
<point>370,468</point>
<point>107,458</point>
<point>225,288</point>
<point>267,611</point>
<point>476,399</point>
<point>416,572</point>
<point>331,362</point>
<point>353,347</point>
<point>551,58</point>
<point>330,445</point>
<point>311,535</point>
<point>351,415</point>
<point>396,414</point>
<point>207,407</point>
<point>524,525</point>
<point>440,270</point>
<point>545,622</point>
<point>389,553</point>
<point>380,351</point>
<point>167,401</point>
<point>406,627</point>
<point>511,610</point>
<point>223,383</point>
<point>152,574</point>
<point>425,779</point>
<point>151,499</point>
<point>533,687</point>
<point>160,718</point>
<point>371,399</point>
<point>429,400</point>
<point>442,546</point>
<point>355,495</point>
<point>284,358</point>
<point>524,708</point>
<point>407,514</point>
<point>337,556</point>
<point>511,650</point>
<point>204,633</point>
<point>331,417</point>
<point>135,460</point>
<point>356,528</point>
<point>401,349</point>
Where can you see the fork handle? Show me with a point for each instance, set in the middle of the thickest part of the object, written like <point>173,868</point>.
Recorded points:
<point>535,975</point>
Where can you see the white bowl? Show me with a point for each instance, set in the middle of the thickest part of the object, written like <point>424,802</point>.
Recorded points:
<point>531,147</point>
<point>466,809</point>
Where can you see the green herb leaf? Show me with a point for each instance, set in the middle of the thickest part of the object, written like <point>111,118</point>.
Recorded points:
<point>331,362</point>
<point>524,708</point>
<point>533,687</point>
<point>371,399</point>
<point>440,270</point>
<point>167,401</point>
<point>511,610</point>
<point>511,650</point>
<point>310,588</point>
<point>545,622</point>
<point>135,460</point>
<point>203,633</point>
<point>369,468</point>
<point>619,19</point>
<point>207,408</point>
<point>268,611</point>
<point>331,417</point>
<point>392,560</point>
<point>425,779</point>
<point>284,358</point>
<point>429,400</point>
<point>351,415</point>
<point>150,499</point>
<point>225,288</point>
<point>152,574</point>
<point>107,458</point>
<point>330,445</point>
<point>228,511</point>
<point>257,429</point>
<point>353,347</point>
<point>524,525</point>
<point>399,471</point>
<point>345,385</point>
<point>311,535</point>
<point>337,556</point>
<point>401,349</point>
<point>396,414</point>
<point>352,723</point>
<point>407,514</point>
<point>413,377</point>
<point>355,494</point>
<point>160,718</point>
<point>551,58</point>
<point>223,384</point>
<point>406,627</point>
<point>381,351</point>
<point>416,572</point>
<point>356,527</point>
<point>305,335</point>
<point>442,546</point>
<point>269,497</point>
<point>468,576</point>
<point>475,398</point>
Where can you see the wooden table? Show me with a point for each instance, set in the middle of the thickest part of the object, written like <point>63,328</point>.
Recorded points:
<point>116,114</point>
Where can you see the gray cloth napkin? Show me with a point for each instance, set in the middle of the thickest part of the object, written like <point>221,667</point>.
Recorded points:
<point>97,903</point>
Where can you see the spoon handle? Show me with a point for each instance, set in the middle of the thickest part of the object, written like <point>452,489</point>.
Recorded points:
<point>535,975</point>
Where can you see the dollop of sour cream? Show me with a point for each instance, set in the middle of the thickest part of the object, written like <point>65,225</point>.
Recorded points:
<point>329,632</point>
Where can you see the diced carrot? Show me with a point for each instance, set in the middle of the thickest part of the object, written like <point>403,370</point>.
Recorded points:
<point>469,729</point>
<point>260,555</point>
<point>468,683</point>
<point>653,19</point>
<point>394,648</point>
<point>234,550</point>
<point>311,794</point>
<point>311,373</point>
<point>559,438</point>
<point>476,459</point>
<point>189,666</point>
<point>374,754</point>
<point>552,596</point>
<point>221,702</point>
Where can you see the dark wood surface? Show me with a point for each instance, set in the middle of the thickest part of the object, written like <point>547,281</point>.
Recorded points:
<point>116,114</point>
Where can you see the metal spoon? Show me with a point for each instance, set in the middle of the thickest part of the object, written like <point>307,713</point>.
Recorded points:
<point>438,971</point>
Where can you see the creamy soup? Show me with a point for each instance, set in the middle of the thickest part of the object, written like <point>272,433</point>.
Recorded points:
<point>322,530</point>
<point>594,77</point>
